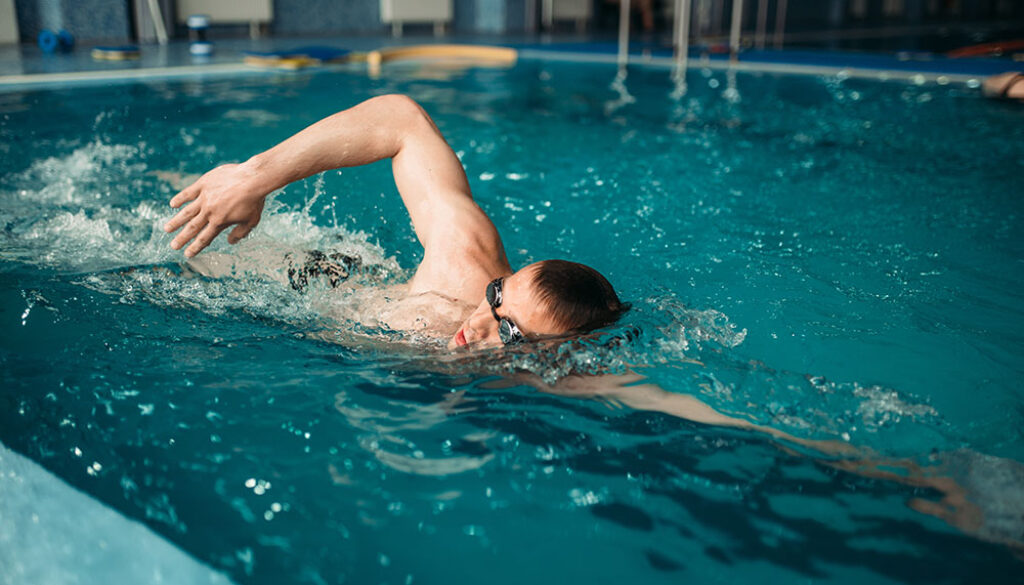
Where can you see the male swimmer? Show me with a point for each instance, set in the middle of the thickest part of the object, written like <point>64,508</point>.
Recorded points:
<point>464,266</point>
<point>464,260</point>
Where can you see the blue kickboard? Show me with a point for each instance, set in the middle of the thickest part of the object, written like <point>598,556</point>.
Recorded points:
<point>318,53</point>
<point>120,49</point>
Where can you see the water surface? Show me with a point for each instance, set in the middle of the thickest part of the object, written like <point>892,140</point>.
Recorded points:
<point>834,258</point>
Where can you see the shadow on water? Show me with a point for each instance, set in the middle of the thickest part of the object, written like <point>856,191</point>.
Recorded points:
<point>747,526</point>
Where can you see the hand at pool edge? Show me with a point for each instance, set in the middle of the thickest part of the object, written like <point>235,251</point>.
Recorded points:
<point>225,196</point>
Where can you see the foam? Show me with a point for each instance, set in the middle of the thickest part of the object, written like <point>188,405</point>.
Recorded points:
<point>80,213</point>
<point>881,407</point>
<point>51,533</point>
<point>675,335</point>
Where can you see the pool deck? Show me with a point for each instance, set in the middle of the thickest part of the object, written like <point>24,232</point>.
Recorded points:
<point>26,66</point>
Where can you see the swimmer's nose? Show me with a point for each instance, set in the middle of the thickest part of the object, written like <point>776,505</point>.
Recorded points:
<point>481,327</point>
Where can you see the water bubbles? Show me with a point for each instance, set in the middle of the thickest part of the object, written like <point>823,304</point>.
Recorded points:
<point>583,498</point>
<point>546,453</point>
<point>882,407</point>
<point>258,486</point>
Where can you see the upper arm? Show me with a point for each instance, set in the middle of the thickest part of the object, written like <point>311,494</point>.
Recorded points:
<point>433,184</point>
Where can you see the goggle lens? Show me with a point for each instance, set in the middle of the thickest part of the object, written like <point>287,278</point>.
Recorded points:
<point>507,330</point>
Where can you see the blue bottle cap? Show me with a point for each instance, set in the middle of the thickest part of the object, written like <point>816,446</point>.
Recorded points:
<point>67,42</point>
<point>47,41</point>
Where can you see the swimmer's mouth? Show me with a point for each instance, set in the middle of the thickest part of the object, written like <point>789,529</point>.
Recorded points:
<point>460,339</point>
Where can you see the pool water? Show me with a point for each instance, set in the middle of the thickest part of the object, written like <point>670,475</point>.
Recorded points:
<point>834,258</point>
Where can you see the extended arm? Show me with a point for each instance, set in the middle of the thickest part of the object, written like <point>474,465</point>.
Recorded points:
<point>427,173</point>
<point>961,504</point>
<point>631,391</point>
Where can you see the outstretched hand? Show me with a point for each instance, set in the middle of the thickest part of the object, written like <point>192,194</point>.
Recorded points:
<point>226,196</point>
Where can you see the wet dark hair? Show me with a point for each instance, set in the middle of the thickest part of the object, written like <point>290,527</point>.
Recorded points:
<point>579,298</point>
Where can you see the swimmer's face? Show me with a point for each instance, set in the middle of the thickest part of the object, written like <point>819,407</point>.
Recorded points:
<point>519,304</point>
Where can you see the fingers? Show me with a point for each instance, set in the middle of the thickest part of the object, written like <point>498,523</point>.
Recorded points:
<point>190,231</point>
<point>181,218</point>
<point>205,237</point>
<point>187,194</point>
<point>238,233</point>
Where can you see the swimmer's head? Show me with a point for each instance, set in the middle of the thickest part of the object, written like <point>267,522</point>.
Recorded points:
<point>546,299</point>
<point>578,298</point>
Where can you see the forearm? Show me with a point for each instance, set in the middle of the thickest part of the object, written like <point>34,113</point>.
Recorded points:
<point>363,134</point>
<point>628,390</point>
<point>427,173</point>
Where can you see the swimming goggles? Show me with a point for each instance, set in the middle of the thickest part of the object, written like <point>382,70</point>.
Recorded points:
<point>507,330</point>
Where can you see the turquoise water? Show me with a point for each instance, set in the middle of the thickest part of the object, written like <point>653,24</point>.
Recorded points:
<point>838,259</point>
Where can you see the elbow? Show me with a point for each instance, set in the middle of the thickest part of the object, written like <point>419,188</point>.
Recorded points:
<point>402,120</point>
<point>400,107</point>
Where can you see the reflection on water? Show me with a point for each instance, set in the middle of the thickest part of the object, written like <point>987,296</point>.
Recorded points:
<point>389,435</point>
<point>622,98</point>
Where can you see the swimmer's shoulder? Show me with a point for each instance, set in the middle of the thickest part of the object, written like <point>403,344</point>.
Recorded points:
<point>428,311</point>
